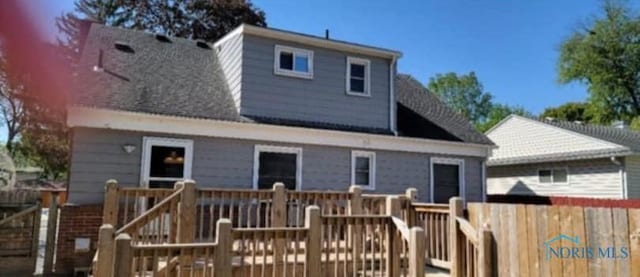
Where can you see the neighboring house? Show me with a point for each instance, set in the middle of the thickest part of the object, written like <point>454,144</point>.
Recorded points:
<point>551,157</point>
<point>262,106</point>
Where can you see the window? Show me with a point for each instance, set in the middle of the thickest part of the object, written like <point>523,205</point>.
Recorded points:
<point>553,176</point>
<point>358,76</point>
<point>363,169</point>
<point>273,164</point>
<point>293,62</point>
<point>165,161</point>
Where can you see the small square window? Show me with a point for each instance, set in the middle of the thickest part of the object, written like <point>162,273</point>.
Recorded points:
<point>293,62</point>
<point>553,176</point>
<point>544,176</point>
<point>286,61</point>
<point>358,76</point>
<point>559,176</point>
<point>363,169</point>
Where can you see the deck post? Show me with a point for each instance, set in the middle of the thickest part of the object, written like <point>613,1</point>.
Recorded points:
<point>416,252</point>
<point>104,267</point>
<point>52,227</point>
<point>355,208</point>
<point>411,194</point>
<point>455,211</point>
<point>279,220</point>
<point>187,213</point>
<point>313,252</point>
<point>484,256</point>
<point>110,206</point>
<point>123,256</point>
<point>222,263</point>
<point>392,245</point>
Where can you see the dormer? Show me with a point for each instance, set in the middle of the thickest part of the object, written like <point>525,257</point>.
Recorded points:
<point>290,78</point>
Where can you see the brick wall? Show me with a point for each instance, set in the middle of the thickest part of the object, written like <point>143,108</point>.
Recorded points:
<point>77,222</point>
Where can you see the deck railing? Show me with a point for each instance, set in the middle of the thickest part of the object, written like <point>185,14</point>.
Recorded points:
<point>357,234</point>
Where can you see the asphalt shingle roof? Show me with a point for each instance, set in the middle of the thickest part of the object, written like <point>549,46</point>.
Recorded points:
<point>179,78</point>
<point>624,137</point>
<point>413,95</point>
<point>170,78</point>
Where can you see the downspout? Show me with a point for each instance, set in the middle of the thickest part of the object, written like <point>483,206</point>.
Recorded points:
<point>623,176</point>
<point>392,96</point>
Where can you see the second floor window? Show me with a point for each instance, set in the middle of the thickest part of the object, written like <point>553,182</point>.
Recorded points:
<point>293,62</point>
<point>358,76</point>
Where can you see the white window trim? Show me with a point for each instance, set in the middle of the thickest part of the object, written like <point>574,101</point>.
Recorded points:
<point>292,73</point>
<point>148,142</point>
<point>552,183</point>
<point>462,186</point>
<point>372,168</point>
<point>277,149</point>
<point>367,76</point>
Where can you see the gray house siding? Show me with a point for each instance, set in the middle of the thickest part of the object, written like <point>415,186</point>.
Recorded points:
<point>632,169</point>
<point>321,99</point>
<point>587,178</point>
<point>97,155</point>
<point>230,56</point>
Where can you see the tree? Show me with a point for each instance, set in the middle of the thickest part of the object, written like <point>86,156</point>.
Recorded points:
<point>208,20</point>
<point>572,111</point>
<point>497,113</point>
<point>11,107</point>
<point>605,56</point>
<point>463,93</point>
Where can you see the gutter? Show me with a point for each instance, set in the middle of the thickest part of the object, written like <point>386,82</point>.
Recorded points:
<point>623,175</point>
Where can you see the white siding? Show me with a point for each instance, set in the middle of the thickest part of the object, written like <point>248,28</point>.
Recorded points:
<point>522,137</point>
<point>632,164</point>
<point>587,178</point>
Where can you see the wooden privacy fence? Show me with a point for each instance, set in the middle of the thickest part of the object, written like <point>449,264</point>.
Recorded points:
<point>20,212</point>
<point>536,240</point>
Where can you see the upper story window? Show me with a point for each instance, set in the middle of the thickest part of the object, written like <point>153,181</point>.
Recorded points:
<point>358,80</point>
<point>363,169</point>
<point>553,176</point>
<point>293,62</point>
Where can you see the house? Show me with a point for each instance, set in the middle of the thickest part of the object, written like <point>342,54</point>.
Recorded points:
<point>260,106</point>
<point>559,158</point>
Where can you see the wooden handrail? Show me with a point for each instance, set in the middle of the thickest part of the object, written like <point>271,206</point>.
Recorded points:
<point>402,228</point>
<point>18,215</point>
<point>144,218</point>
<point>468,230</point>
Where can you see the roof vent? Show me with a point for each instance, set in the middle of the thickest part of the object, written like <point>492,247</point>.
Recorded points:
<point>548,118</point>
<point>578,122</point>
<point>163,38</point>
<point>203,44</point>
<point>123,46</point>
<point>98,67</point>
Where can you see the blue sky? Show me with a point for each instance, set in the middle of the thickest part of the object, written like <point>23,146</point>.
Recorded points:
<point>511,45</point>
